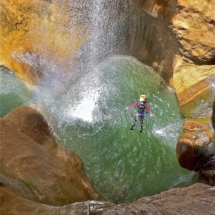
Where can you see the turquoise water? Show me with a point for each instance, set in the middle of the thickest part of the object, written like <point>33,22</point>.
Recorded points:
<point>91,120</point>
<point>13,91</point>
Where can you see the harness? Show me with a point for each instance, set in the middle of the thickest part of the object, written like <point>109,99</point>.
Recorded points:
<point>141,107</point>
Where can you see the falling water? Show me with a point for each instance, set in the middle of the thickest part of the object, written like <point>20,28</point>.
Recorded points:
<point>85,102</point>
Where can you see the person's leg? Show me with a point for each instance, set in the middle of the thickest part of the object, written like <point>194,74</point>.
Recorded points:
<point>141,123</point>
<point>134,121</point>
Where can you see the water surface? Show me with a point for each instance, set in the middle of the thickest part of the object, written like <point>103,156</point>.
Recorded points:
<point>91,120</point>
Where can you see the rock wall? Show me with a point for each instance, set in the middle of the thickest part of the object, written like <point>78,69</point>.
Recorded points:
<point>36,33</point>
<point>35,167</point>
<point>178,32</point>
<point>180,45</point>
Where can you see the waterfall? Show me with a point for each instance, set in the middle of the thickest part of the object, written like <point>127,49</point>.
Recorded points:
<point>112,28</point>
<point>104,28</point>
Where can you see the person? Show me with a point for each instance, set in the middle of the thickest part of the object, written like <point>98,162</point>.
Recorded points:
<point>141,111</point>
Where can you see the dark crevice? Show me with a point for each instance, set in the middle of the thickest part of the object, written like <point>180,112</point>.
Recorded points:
<point>4,68</point>
<point>213,117</point>
<point>197,61</point>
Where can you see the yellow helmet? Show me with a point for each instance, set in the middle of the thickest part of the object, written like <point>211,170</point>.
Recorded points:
<point>143,96</point>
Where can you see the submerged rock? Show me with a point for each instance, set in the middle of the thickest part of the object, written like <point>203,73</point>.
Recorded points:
<point>35,167</point>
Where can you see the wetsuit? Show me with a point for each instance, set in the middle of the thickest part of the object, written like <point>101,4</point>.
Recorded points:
<point>140,113</point>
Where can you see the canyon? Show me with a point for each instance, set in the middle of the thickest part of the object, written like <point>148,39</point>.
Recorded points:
<point>178,41</point>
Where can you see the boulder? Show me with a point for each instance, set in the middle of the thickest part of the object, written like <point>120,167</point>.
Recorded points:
<point>35,167</point>
<point>15,205</point>
<point>195,149</point>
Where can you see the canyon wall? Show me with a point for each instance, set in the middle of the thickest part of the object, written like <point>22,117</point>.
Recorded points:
<point>180,44</point>
<point>36,33</point>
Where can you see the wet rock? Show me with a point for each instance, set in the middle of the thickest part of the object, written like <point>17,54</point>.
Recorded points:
<point>35,167</point>
<point>193,90</point>
<point>197,199</point>
<point>15,205</point>
<point>195,149</point>
<point>208,176</point>
<point>186,154</point>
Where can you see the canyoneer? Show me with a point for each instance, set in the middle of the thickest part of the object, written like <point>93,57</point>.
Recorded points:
<point>143,108</point>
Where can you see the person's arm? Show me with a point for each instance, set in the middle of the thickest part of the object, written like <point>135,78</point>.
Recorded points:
<point>148,109</point>
<point>133,105</point>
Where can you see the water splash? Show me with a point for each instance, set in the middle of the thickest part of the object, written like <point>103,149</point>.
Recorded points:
<point>83,109</point>
<point>91,120</point>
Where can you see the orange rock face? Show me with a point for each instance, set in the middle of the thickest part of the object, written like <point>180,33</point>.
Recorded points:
<point>194,26</point>
<point>33,32</point>
<point>35,167</point>
<point>193,90</point>
<point>178,32</point>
